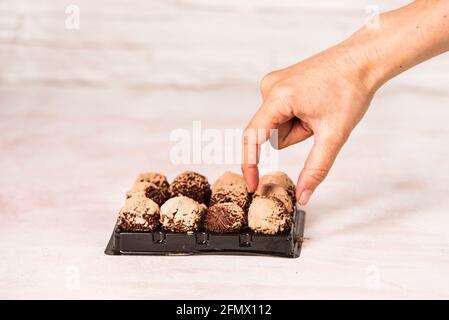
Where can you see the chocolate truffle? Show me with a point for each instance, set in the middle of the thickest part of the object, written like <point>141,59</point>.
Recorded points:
<point>237,194</point>
<point>182,214</point>
<point>268,216</point>
<point>158,179</point>
<point>151,191</point>
<point>229,178</point>
<point>271,190</point>
<point>139,214</point>
<point>192,185</point>
<point>281,179</point>
<point>225,217</point>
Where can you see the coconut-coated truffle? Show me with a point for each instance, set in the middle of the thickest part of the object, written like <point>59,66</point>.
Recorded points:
<point>182,214</point>
<point>139,214</point>
<point>192,185</point>
<point>225,217</point>
<point>268,216</point>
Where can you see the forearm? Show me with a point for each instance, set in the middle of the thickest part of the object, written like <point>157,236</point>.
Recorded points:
<point>405,38</point>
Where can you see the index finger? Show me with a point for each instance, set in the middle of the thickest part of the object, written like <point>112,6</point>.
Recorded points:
<point>256,133</point>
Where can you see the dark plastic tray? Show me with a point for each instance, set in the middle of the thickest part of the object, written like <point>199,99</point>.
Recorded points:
<point>160,242</point>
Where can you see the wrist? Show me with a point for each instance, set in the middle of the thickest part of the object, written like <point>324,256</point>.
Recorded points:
<point>368,67</point>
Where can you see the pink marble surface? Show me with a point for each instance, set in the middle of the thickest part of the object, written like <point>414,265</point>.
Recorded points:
<point>378,227</point>
<point>82,112</point>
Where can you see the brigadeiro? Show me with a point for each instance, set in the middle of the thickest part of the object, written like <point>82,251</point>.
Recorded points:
<point>268,216</point>
<point>281,179</point>
<point>139,214</point>
<point>231,193</point>
<point>225,217</point>
<point>182,214</point>
<point>192,185</point>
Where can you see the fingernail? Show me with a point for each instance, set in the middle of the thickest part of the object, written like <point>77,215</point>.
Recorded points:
<point>305,196</point>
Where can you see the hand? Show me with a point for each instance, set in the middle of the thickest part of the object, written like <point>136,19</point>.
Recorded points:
<point>324,96</point>
<point>327,94</point>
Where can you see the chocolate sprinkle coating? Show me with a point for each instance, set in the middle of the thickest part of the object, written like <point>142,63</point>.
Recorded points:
<point>192,185</point>
<point>151,191</point>
<point>225,217</point>
<point>231,193</point>
<point>158,179</point>
<point>158,195</point>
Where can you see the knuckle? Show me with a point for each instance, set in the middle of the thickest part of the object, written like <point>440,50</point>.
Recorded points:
<point>337,136</point>
<point>268,80</point>
<point>283,91</point>
<point>249,136</point>
<point>247,167</point>
<point>317,174</point>
<point>340,136</point>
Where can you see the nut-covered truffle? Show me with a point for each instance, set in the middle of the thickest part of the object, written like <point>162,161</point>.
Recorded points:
<point>192,185</point>
<point>225,217</point>
<point>139,214</point>
<point>281,179</point>
<point>229,179</point>
<point>268,216</point>
<point>182,214</point>
<point>270,190</point>
<point>231,193</point>
<point>151,191</point>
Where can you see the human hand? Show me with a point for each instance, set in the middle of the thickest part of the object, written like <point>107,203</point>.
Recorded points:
<point>327,94</point>
<point>324,96</point>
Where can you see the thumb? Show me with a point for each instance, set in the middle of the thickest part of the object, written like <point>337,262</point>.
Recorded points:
<point>318,164</point>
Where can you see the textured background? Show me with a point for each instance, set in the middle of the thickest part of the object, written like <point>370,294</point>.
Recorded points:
<point>83,111</point>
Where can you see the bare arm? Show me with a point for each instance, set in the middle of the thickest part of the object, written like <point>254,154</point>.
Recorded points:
<point>406,37</point>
